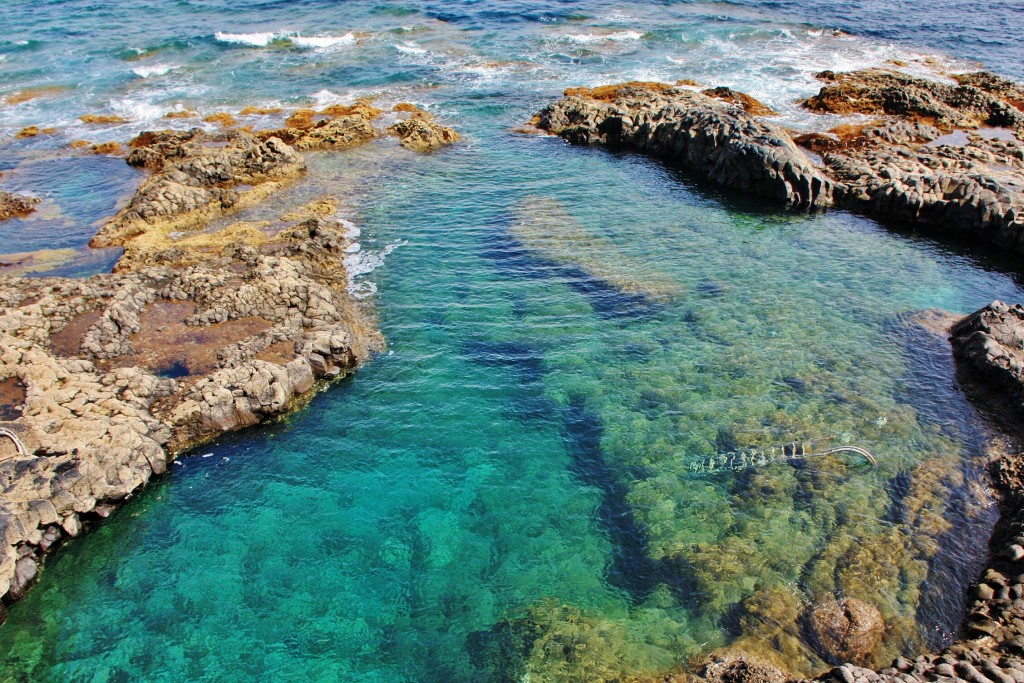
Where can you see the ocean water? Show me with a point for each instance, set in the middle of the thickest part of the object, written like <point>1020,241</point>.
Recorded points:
<point>507,493</point>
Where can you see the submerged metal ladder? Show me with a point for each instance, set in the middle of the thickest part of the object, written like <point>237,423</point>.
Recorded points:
<point>754,457</point>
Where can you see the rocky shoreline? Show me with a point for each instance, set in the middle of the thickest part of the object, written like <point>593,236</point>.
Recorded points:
<point>197,332</point>
<point>934,156</point>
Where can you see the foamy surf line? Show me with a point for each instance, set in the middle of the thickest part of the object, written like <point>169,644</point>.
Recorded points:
<point>265,39</point>
<point>154,70</point>
<point>615,37</point>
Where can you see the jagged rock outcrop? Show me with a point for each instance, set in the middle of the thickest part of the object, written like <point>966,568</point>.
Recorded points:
<point>12,205</point>
<point>328,133</point>
<point>196,173</point>
<point>945,106</point>
<point>421,133</point>
<point>900,168</point>
<point>990,341</point>
<point>121,372</point>
<point>711,136</point>
<point>194,334</point>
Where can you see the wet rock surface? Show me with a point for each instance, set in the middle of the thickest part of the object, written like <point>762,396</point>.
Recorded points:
<point>990,342</point>
<point>942,157</point>
<point>197,332</point>
<point>845,630</point>
<point>15,205</point>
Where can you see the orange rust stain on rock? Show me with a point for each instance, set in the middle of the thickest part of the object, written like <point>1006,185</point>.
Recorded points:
<point>101,118</point>
<point>360,108</point>
<point>34,93</point>
<point>281,352</point>
<point>302,119</point>
<point>611,92</point>
<point>260,111</point>
<point>107,148</point>
<point>740,99</point>
<point>223,119</point>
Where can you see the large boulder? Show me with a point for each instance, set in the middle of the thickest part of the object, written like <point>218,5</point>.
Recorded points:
<point>846,630</point>
<point>990,341</point>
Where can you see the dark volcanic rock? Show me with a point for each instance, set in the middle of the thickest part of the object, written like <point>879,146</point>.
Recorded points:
<point>899,168</point>
<point>991,341</point>
<point>705,134</point>
<point>874,91</point>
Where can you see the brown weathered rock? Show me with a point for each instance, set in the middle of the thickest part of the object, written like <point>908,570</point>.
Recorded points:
<point>741,100</point>
<point>742,669</point>
<point>421,133</point>
<point>193,336</point>
<point>846,630</point>
<point>305,133</point>
<point>195,181</point>
<point>874,91</point>
<point>708,135</point>
<point>15,205</point>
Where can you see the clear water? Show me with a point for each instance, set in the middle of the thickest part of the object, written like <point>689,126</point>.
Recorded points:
<point>505,493</point>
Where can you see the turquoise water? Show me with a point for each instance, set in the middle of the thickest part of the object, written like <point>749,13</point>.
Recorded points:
<point>504,494</point>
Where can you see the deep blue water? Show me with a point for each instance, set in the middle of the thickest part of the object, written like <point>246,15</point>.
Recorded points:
<point>505,494</point>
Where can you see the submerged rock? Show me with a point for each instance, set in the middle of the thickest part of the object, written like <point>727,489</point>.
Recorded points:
<point>12,205</point>
<point>846,630</point>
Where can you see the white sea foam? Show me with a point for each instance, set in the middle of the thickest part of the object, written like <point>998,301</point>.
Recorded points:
<point>251,39</point>
<point>410,48</point>
<point>136,110</point>
<point>614,37</point>
<point>263,39</point>
<point>323,42</point>
<point>154,69</point>
<point>359,263</point>
<point>325,97</point>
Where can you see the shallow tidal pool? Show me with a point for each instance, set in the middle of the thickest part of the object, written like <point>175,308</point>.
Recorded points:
<point>516,489</point>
